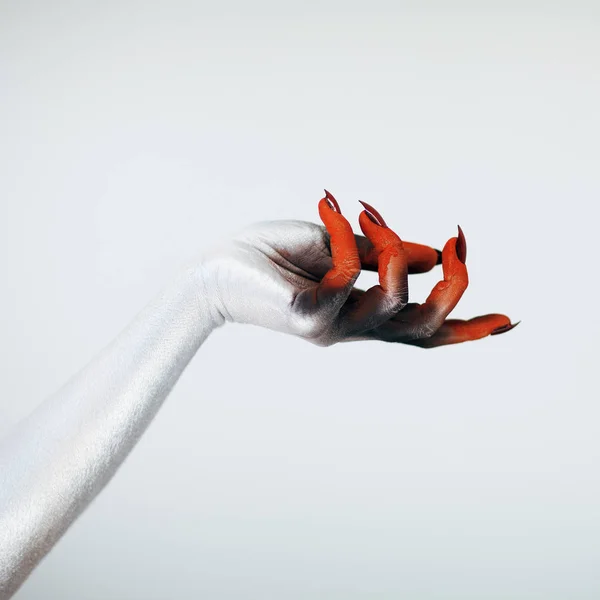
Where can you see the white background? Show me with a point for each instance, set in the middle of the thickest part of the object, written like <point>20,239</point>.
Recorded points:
<point>135,134</point>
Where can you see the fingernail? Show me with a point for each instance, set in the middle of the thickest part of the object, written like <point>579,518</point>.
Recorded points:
<point>332,202</point>
<point>461,246</point>
<point>373,214</point>
<point>439,258</point>
<point>504,328</point>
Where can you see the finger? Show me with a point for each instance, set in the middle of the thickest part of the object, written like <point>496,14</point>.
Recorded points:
<point>420,321</point>
<point>419,258</point>
<point>380,302</point>
<point>329,295</point>
<point>452,331</point>
<point>455,331</point>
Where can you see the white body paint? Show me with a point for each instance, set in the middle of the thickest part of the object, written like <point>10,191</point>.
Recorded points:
<point>56,460</point>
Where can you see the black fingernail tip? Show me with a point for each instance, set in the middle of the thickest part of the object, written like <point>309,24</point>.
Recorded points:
<point>461,246</point>
<point>332,202</point>
<point>504,328</point>
<point>439,256</point>
<point>373,214</point>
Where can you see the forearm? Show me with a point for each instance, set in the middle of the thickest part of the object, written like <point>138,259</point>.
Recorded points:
<point>57,460</point>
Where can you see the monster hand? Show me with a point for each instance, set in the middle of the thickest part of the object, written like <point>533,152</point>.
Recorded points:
<point>298,277</point>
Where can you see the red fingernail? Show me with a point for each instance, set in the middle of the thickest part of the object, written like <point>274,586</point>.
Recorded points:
<point>332,202</point>
<point>461,246</point>
<point>373,214</point>
<point>504,328</point>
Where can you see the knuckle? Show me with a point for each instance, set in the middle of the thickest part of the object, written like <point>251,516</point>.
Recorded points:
<point>397,301</point>
<point>350,268</point>
<point>425,330</point>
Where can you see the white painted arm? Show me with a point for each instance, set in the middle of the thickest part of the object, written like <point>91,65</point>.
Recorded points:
<point>57,460</point>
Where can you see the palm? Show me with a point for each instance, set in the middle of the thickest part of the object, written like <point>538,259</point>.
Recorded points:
<point>271,263</point>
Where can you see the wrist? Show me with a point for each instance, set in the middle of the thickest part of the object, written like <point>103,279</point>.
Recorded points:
<point>202,281</point>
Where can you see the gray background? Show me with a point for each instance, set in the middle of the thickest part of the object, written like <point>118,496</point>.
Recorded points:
<point>135,134</point>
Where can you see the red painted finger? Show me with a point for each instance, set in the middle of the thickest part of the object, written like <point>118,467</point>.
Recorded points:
<point>420,321</point>
<point>419,258</point>
<point>452,331</point>
<point>344,253</point>
<point>329,295</point>
<point>455,331</point>
<point>380,302</point>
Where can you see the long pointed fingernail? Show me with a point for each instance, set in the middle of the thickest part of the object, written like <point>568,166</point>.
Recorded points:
<point>439,258</point>
<point>373,214</point>
<point>332,202</point>
<point>504,328</point>
<point>461,246</point>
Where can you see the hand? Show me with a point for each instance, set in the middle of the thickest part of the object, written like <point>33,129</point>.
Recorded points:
<point>298,277</point>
